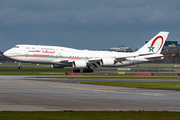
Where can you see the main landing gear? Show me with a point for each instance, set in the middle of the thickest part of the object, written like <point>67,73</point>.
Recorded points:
<point>88,70</point>
<point>85,70</point>
<point>76,70</point>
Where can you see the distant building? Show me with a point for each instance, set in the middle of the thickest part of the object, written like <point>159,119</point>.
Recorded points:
<point>171,47</point>
<point>167,43</point>
<point>119,49</point>
<point>171,52</point>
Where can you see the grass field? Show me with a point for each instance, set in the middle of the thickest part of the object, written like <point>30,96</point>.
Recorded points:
<point>50,71</point>
<point>155,65</point>
<point>32,71</point>
<point>40,70</point>
<point>134,84</point>
<point>108,77</point>
<point>14,69</point>
<point>90,115</point>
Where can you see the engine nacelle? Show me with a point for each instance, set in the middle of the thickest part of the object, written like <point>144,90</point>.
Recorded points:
<point>79,64</point>
<point>107,62</point>
<point>55,66</point>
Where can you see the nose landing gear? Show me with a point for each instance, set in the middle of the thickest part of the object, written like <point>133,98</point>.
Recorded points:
<point>19,66</point>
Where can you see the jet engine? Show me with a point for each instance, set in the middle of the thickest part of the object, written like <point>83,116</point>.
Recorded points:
<point>107,62</point>
<point>79,64</point>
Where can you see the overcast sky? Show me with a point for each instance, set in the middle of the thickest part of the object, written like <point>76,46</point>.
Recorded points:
<point>87,24</point>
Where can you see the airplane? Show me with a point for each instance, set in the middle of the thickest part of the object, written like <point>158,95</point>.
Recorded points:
<point>88,60</point>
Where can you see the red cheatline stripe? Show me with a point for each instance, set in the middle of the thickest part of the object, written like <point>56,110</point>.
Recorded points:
<point>46,57</point>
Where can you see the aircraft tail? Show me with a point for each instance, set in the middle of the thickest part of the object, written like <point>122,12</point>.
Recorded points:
<point>155,45</point>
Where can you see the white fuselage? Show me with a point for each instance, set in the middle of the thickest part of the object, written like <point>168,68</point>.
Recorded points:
<point>54,54</point>
<point>62,57</point>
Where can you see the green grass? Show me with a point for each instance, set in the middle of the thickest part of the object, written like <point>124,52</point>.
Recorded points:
<point>134,84</point>
<point>31,71</point>
<point>105,77</point>
<point>26,69</point>
<point>158,65</point>
<point>90,115</point>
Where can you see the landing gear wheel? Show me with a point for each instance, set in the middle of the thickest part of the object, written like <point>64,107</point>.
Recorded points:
<point>88,70</point>
<point>85,70</point>
<point>20,67</point>
<point>91,70</point>
<point>76,71</point>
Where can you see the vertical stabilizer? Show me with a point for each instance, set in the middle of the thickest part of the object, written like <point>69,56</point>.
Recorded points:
<point>155,45</point>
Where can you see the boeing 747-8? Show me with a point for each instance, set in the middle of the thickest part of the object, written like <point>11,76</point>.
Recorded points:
<point>61,57</point>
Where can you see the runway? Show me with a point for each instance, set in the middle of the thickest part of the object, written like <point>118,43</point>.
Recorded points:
<point>22,94</point>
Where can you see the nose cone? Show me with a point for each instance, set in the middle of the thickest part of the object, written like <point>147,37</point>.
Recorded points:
<point>6,53</point>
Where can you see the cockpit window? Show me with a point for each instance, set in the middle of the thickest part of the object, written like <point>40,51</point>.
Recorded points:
<point>16,47</point>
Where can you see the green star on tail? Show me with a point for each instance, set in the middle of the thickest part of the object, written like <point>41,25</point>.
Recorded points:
<point>151,48</point>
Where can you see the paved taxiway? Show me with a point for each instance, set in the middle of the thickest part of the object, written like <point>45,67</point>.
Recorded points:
<point>22,94</point>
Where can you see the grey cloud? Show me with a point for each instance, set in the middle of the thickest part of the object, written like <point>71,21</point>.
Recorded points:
<point>70,22</point>
<point>82,11</point>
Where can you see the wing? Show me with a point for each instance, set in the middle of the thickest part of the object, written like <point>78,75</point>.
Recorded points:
<point>70,63</point>
<point>99,62</point>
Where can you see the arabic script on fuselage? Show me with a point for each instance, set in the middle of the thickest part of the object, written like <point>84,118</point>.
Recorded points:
<point>47,51</point>
<point>43,51</point>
